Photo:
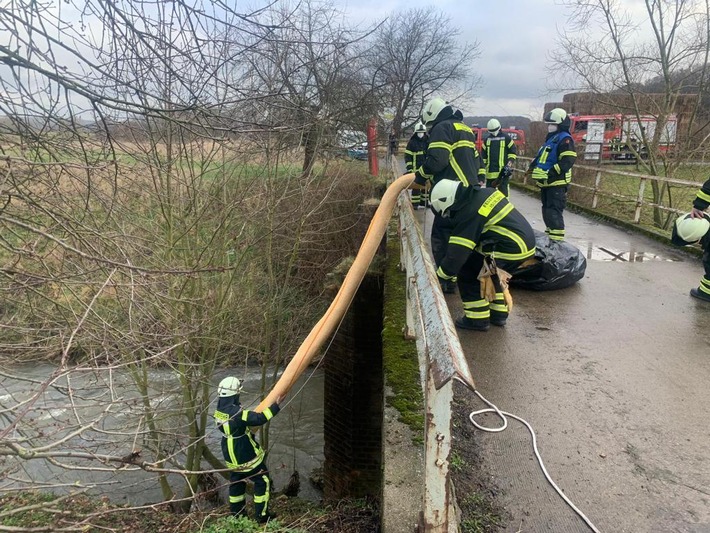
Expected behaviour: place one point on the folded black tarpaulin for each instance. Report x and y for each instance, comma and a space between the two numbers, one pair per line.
559, 264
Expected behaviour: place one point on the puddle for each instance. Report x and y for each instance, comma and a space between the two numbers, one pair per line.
597, 252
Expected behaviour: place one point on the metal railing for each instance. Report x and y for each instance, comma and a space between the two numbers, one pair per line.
638, 199
441, 358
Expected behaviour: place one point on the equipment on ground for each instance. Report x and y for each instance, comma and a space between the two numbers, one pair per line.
443, 194
229, 386
556, 265
688, 230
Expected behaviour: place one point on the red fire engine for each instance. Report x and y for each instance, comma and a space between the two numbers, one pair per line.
517, 135
618, 137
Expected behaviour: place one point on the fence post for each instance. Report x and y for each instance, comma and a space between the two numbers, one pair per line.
597, 182
639, 201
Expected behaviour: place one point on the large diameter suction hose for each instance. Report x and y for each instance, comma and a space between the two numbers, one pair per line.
332, 317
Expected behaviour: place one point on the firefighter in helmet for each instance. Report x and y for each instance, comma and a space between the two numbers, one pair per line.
242, 453
414, 153
498, 153
486, 228
451, 154
695, 227
552, 170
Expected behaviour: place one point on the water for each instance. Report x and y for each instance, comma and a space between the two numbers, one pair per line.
80, 416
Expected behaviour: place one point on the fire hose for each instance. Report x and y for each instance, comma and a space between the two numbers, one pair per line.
340, 304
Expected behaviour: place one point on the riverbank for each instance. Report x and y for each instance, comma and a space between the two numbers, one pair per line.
25, 512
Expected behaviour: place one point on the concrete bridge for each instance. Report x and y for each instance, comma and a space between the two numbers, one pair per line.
612, 374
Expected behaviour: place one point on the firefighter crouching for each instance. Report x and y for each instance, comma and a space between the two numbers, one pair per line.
498, 153
451, 155
413, 155
242, 453
552, 170
700, 204
487, 230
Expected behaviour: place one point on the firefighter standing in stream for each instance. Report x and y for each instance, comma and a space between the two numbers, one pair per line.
488, 230
552, 170
413, 153
498, 153
452, 155
242, 453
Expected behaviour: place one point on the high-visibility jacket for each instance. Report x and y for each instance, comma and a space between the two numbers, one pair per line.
240, 450
485, 221
451, 153
414, 152
497, 151
552, 167
702, 199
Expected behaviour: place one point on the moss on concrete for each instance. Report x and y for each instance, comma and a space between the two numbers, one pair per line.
399, 355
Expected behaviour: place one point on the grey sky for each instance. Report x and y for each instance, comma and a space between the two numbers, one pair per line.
515, 37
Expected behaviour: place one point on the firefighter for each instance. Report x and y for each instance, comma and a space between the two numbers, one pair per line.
552, 170
700, 204
242, 453
486, 228
415, 150
498, 153
451, 154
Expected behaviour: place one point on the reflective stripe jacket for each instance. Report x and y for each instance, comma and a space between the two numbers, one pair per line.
414, 152
484, 220
451, 153
241, 451
496, 152
702, 199
552, 167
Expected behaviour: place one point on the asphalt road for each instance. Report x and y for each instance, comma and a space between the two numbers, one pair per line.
614, 376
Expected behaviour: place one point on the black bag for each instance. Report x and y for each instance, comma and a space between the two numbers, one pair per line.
559, 265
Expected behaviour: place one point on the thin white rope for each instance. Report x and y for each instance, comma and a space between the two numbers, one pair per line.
503, 415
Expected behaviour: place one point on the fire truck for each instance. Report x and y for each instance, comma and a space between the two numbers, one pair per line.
618, 137
517, 135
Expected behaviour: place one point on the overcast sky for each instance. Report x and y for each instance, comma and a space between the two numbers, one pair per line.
515, 37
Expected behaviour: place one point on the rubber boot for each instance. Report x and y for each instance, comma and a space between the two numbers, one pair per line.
473, 324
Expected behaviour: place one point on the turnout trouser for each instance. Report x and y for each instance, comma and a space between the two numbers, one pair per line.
441, 230
500, 183
475, 306
554, 201
705, 280
259, 475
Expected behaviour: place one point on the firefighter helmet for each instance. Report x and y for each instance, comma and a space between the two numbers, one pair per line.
432, 109
556, 116
493, 126
419, 127
229, 386
443, 195
690, 230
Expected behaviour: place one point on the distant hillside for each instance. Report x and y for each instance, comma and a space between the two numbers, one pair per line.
518, 122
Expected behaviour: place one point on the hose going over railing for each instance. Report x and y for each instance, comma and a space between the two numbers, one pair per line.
332, 317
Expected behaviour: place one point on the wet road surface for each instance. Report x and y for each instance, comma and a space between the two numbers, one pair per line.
614, 376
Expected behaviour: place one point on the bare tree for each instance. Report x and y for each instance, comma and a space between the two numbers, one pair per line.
417, 54
149, 225
619, 52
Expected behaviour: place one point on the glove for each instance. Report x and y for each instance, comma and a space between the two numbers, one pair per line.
485, 276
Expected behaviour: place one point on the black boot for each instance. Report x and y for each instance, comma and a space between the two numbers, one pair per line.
700, 295
447, 287
469, 323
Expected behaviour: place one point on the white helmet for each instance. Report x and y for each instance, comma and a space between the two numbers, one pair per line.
691, 229
493, 126
443, 195
432, 109
229, 386
419, 127
556, 116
